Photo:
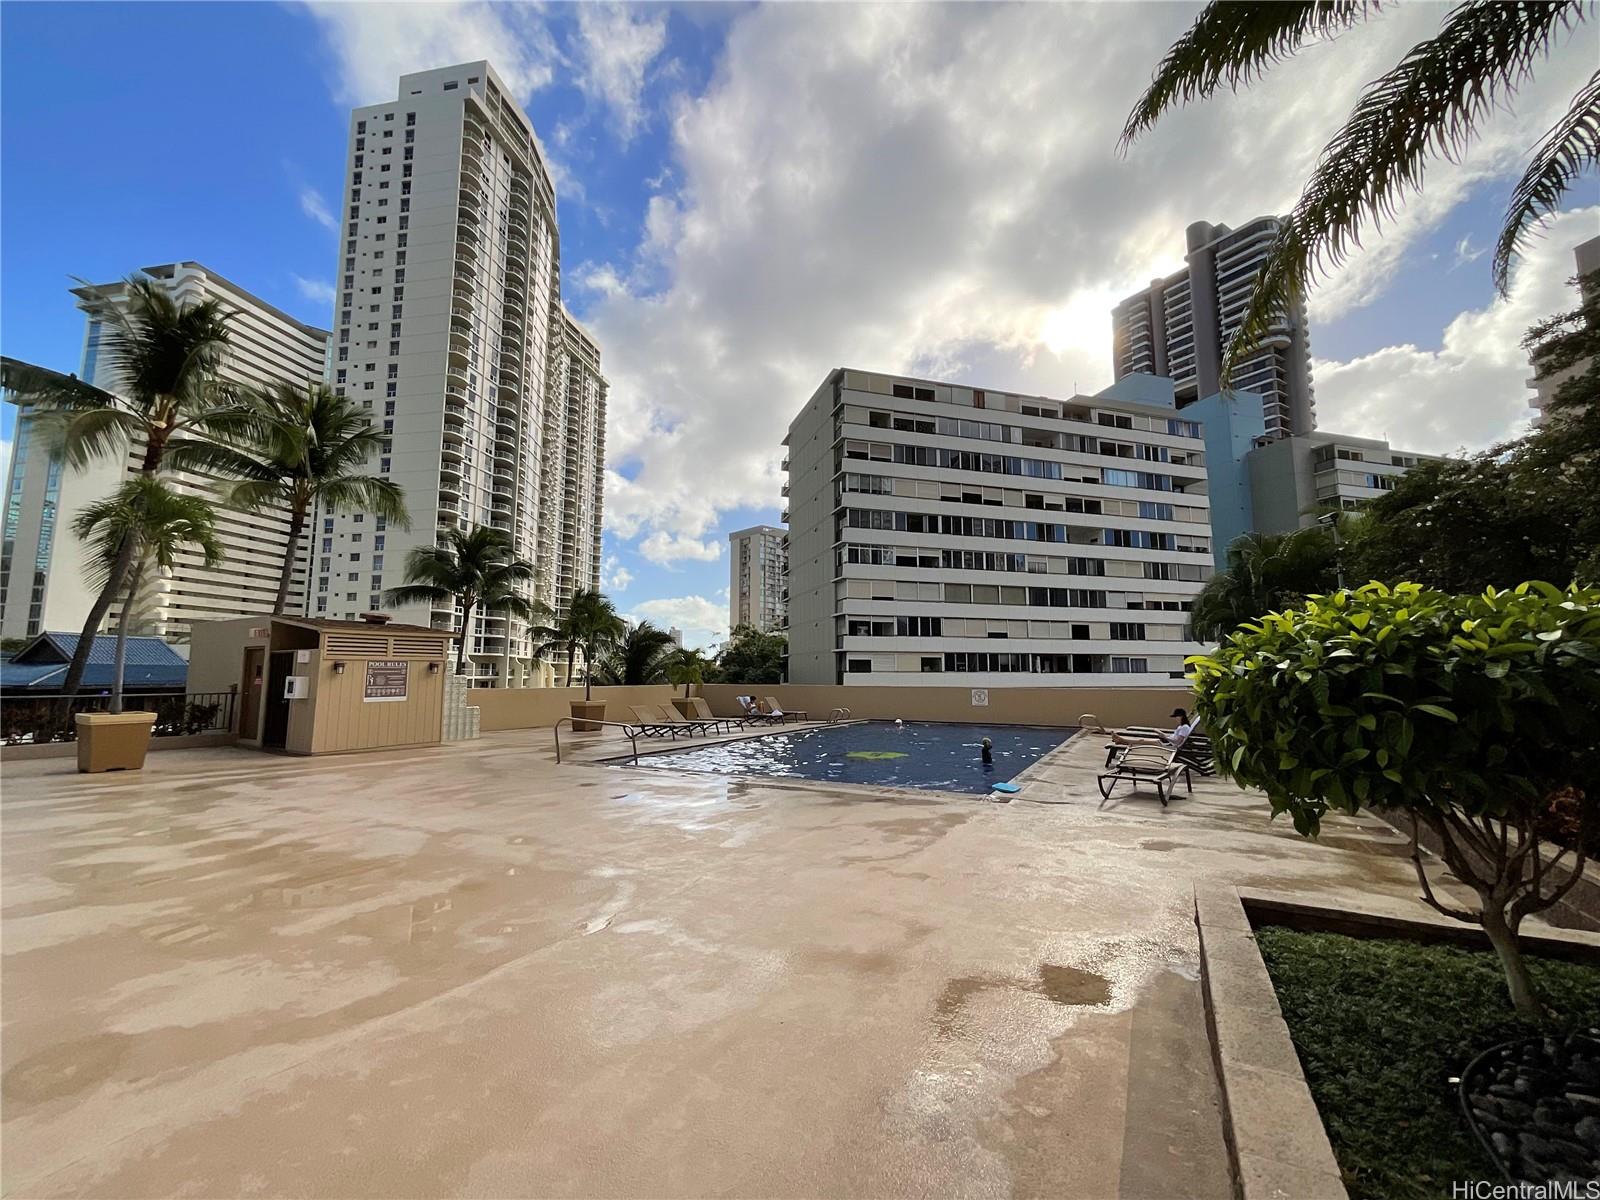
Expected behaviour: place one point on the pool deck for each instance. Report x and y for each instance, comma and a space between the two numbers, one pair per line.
468, 971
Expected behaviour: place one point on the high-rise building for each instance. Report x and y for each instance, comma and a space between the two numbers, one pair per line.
1180, 327
758, 581
451, 330
574, 459
986, 538
1588, 257
43, 586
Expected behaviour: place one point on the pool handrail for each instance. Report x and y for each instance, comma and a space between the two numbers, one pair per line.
838, 714
631, 731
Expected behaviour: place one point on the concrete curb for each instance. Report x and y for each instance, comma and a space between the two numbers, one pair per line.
1276, 1140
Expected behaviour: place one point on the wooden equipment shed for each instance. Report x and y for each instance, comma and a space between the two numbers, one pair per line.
307, 685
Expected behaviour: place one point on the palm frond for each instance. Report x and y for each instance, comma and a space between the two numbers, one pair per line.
83, 436
1430, 104
252, 495
1569, 149
210, 458
39, 386
415, 593
369, 493
1233, 44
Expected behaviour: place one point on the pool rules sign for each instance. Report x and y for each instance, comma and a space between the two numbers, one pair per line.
386, 680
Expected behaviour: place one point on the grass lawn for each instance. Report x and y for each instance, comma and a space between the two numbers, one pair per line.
1381, 1026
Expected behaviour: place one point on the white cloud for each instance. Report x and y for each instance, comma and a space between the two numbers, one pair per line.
702, 621
664, 547
1472, 391
1466, 252
315, 207
613, 576
319, 290
616, 44
930, 188
374, 44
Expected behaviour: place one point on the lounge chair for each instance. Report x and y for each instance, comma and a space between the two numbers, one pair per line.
649, 720
752, 712
1145, 764
782, 713
1196, 751
702, 710
689, 725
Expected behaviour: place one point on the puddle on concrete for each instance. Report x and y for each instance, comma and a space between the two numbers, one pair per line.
66, 1068
1070, 986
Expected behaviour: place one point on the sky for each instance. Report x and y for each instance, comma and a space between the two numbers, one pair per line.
752, 195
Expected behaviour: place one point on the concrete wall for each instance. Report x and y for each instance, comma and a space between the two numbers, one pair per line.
1007, 706
540, 708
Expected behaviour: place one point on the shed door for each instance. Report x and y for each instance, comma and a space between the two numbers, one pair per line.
252, 688
275, 729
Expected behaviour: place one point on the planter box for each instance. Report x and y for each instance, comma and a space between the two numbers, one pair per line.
587, 714
113, 741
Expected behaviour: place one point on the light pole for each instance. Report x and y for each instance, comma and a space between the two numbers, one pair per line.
1331, 520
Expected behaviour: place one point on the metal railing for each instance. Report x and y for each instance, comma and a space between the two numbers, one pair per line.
838, 714
631, 731
28, 719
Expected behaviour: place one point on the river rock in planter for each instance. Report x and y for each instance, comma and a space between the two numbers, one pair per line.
1534, 1105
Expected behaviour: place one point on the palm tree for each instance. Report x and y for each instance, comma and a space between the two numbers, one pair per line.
478, 570
1266, 572
309, 449
687, 665
639, 657
163, 359
589, 626
157, 522
1428, 105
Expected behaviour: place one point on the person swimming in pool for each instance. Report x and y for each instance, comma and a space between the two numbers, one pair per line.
988, 752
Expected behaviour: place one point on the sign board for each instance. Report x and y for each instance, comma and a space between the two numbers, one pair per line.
302, 656
980, 697
386, 679
296, 687
260, 631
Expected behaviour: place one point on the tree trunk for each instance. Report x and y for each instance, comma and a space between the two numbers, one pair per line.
588, 671
91, 626
1520, 983
119, 666
461, 643
297, 525
154, 447
572, 654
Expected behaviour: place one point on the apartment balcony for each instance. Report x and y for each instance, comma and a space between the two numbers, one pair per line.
785, 515
784, 490
784, 465
470, 199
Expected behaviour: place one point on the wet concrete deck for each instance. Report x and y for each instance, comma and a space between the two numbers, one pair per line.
468, 971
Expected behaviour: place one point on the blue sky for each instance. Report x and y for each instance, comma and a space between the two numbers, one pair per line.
751, 195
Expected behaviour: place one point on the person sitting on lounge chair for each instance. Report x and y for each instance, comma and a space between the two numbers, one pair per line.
1173, 740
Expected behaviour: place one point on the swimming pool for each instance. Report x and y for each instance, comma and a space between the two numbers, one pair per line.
918, 755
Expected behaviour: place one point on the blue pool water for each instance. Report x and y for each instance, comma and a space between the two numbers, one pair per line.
919, 755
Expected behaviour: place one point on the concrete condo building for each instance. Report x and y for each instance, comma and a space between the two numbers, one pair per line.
1180, 327
42, 580
758, 581
1588, 258
451, 329
993, 539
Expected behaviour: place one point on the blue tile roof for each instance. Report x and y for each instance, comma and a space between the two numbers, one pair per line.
41, 666
143, 651
47, 677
